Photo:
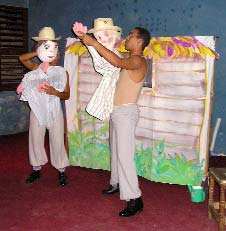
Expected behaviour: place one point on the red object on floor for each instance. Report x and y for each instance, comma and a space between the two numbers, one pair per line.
80, 206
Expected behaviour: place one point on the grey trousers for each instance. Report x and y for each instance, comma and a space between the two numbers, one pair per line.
37, 153
123, 122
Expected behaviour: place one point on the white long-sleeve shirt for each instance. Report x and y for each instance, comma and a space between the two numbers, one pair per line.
101, 103
45, 107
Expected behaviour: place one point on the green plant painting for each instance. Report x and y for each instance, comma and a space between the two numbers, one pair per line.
91, 149
154, 164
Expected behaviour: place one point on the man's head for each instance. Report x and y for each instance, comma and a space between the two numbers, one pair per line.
105, 32
138, 37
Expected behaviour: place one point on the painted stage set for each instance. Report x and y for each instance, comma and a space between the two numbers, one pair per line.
172, 136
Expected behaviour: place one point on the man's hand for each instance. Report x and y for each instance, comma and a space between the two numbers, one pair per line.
42, 86
88, 40
49, 90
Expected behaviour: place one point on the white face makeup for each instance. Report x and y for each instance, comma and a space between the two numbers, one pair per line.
107, 38
47, 51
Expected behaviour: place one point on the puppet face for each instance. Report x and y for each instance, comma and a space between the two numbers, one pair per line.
107, 38
47, 51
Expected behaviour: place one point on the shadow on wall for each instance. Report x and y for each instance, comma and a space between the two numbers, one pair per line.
14, 114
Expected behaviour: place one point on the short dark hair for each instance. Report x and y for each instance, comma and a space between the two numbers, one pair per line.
40, 42
144, 35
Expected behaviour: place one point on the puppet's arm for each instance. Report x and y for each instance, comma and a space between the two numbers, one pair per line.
97, 59
100, 64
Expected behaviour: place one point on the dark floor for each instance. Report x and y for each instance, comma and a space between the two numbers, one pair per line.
45, 206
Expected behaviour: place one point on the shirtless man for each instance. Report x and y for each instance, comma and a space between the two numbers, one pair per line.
125, 116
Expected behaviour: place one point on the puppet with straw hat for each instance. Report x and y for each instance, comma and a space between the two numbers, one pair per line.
46, 33
43, 88
103, 30
104, 24
106, 33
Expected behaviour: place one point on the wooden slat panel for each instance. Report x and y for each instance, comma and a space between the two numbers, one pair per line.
188, 92
171, 137
174, 112
86, 87
11, 33
180, 65
13, 42
148, 100
17, 51
177, 78
84, 97
89, 77
169, 115
170, 127
86, 61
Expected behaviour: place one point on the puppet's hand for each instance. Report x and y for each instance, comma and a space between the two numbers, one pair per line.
20, 89
80, 31
79, 27
217, 55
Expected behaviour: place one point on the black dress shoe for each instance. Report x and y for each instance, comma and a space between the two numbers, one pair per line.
62, 178
35, 175
111, 190
133, 206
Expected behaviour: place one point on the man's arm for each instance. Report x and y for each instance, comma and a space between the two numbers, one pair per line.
25, 59
131, 63
62, 95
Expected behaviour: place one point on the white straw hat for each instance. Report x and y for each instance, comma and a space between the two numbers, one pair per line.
46, 33
104, 24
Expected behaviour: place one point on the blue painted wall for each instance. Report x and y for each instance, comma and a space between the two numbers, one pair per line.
161, 17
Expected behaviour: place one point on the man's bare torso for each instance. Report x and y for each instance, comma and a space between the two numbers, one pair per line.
127, 89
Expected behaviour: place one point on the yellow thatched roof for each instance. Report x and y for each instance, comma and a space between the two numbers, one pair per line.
160, 47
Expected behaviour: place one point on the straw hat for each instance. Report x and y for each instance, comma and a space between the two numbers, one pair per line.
104, 24
46, 33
